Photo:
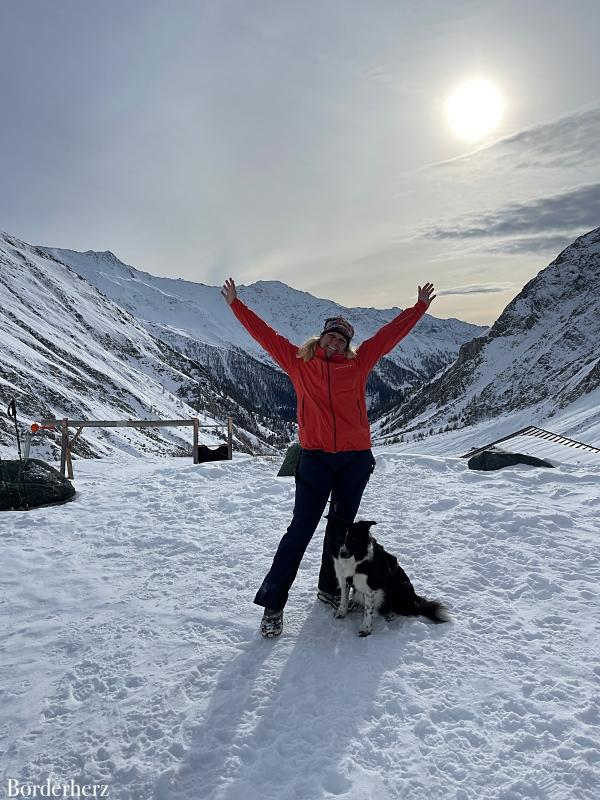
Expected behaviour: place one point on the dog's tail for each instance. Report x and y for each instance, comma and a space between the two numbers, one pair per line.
432, 609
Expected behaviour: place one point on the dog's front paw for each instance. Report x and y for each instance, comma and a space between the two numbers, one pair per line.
364, 632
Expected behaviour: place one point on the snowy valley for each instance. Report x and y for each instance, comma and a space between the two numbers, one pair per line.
88, 336
85, 336
193, 318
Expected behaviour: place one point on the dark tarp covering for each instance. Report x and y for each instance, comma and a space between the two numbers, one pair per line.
497, 459
31, 483
220, 453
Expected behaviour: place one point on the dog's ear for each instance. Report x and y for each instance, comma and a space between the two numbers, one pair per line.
365, 525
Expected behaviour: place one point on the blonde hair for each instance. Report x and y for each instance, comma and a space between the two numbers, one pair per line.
307, 350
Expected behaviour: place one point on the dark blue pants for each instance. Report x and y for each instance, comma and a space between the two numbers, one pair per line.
319, 474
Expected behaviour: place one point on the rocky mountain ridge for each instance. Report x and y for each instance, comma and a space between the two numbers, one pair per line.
541, 354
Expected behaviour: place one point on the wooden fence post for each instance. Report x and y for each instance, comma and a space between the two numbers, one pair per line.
69, 459
196, 437
64, 444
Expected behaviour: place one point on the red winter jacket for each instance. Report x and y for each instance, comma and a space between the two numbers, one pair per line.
332, 411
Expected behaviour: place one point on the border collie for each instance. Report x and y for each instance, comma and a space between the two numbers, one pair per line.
380, 583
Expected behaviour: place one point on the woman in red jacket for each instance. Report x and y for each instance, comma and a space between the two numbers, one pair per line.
329, 378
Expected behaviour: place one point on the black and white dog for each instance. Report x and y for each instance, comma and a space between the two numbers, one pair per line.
380, 583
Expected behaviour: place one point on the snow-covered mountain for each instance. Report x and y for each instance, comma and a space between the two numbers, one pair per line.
194, 319
541, 356
66, 350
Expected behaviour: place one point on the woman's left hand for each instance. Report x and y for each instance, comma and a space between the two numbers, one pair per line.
426, 293
229, 291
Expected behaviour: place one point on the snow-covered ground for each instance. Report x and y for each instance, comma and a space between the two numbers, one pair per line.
131, 657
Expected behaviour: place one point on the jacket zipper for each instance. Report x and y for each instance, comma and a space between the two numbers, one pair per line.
331, 406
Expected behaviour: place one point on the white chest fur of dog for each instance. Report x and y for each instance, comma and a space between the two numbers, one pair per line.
370, 600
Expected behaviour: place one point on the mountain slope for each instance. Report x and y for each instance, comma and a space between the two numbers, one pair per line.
67, 350
540, 356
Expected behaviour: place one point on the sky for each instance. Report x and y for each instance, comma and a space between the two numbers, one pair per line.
304, 141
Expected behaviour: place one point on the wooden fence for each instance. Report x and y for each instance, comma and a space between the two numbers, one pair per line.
66, 464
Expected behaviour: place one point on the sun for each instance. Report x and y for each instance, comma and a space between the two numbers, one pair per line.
474, 109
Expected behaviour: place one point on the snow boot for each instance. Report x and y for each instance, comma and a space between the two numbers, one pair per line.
271, 625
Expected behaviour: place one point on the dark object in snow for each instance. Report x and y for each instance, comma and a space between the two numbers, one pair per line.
290, 462
496, 459
32, 483
220, 453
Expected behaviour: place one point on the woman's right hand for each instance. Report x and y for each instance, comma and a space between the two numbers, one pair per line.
228, 291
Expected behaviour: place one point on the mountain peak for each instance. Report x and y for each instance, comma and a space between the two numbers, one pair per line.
103, 255
571, 279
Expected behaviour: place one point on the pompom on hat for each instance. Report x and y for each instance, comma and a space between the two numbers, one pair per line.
338, 325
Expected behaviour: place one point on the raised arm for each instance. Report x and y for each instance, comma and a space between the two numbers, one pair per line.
278, 347
386, 338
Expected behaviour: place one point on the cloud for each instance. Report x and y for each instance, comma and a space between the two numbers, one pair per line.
566, 142
570, 141
550, 156
532, 245
476, 288
575, 210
